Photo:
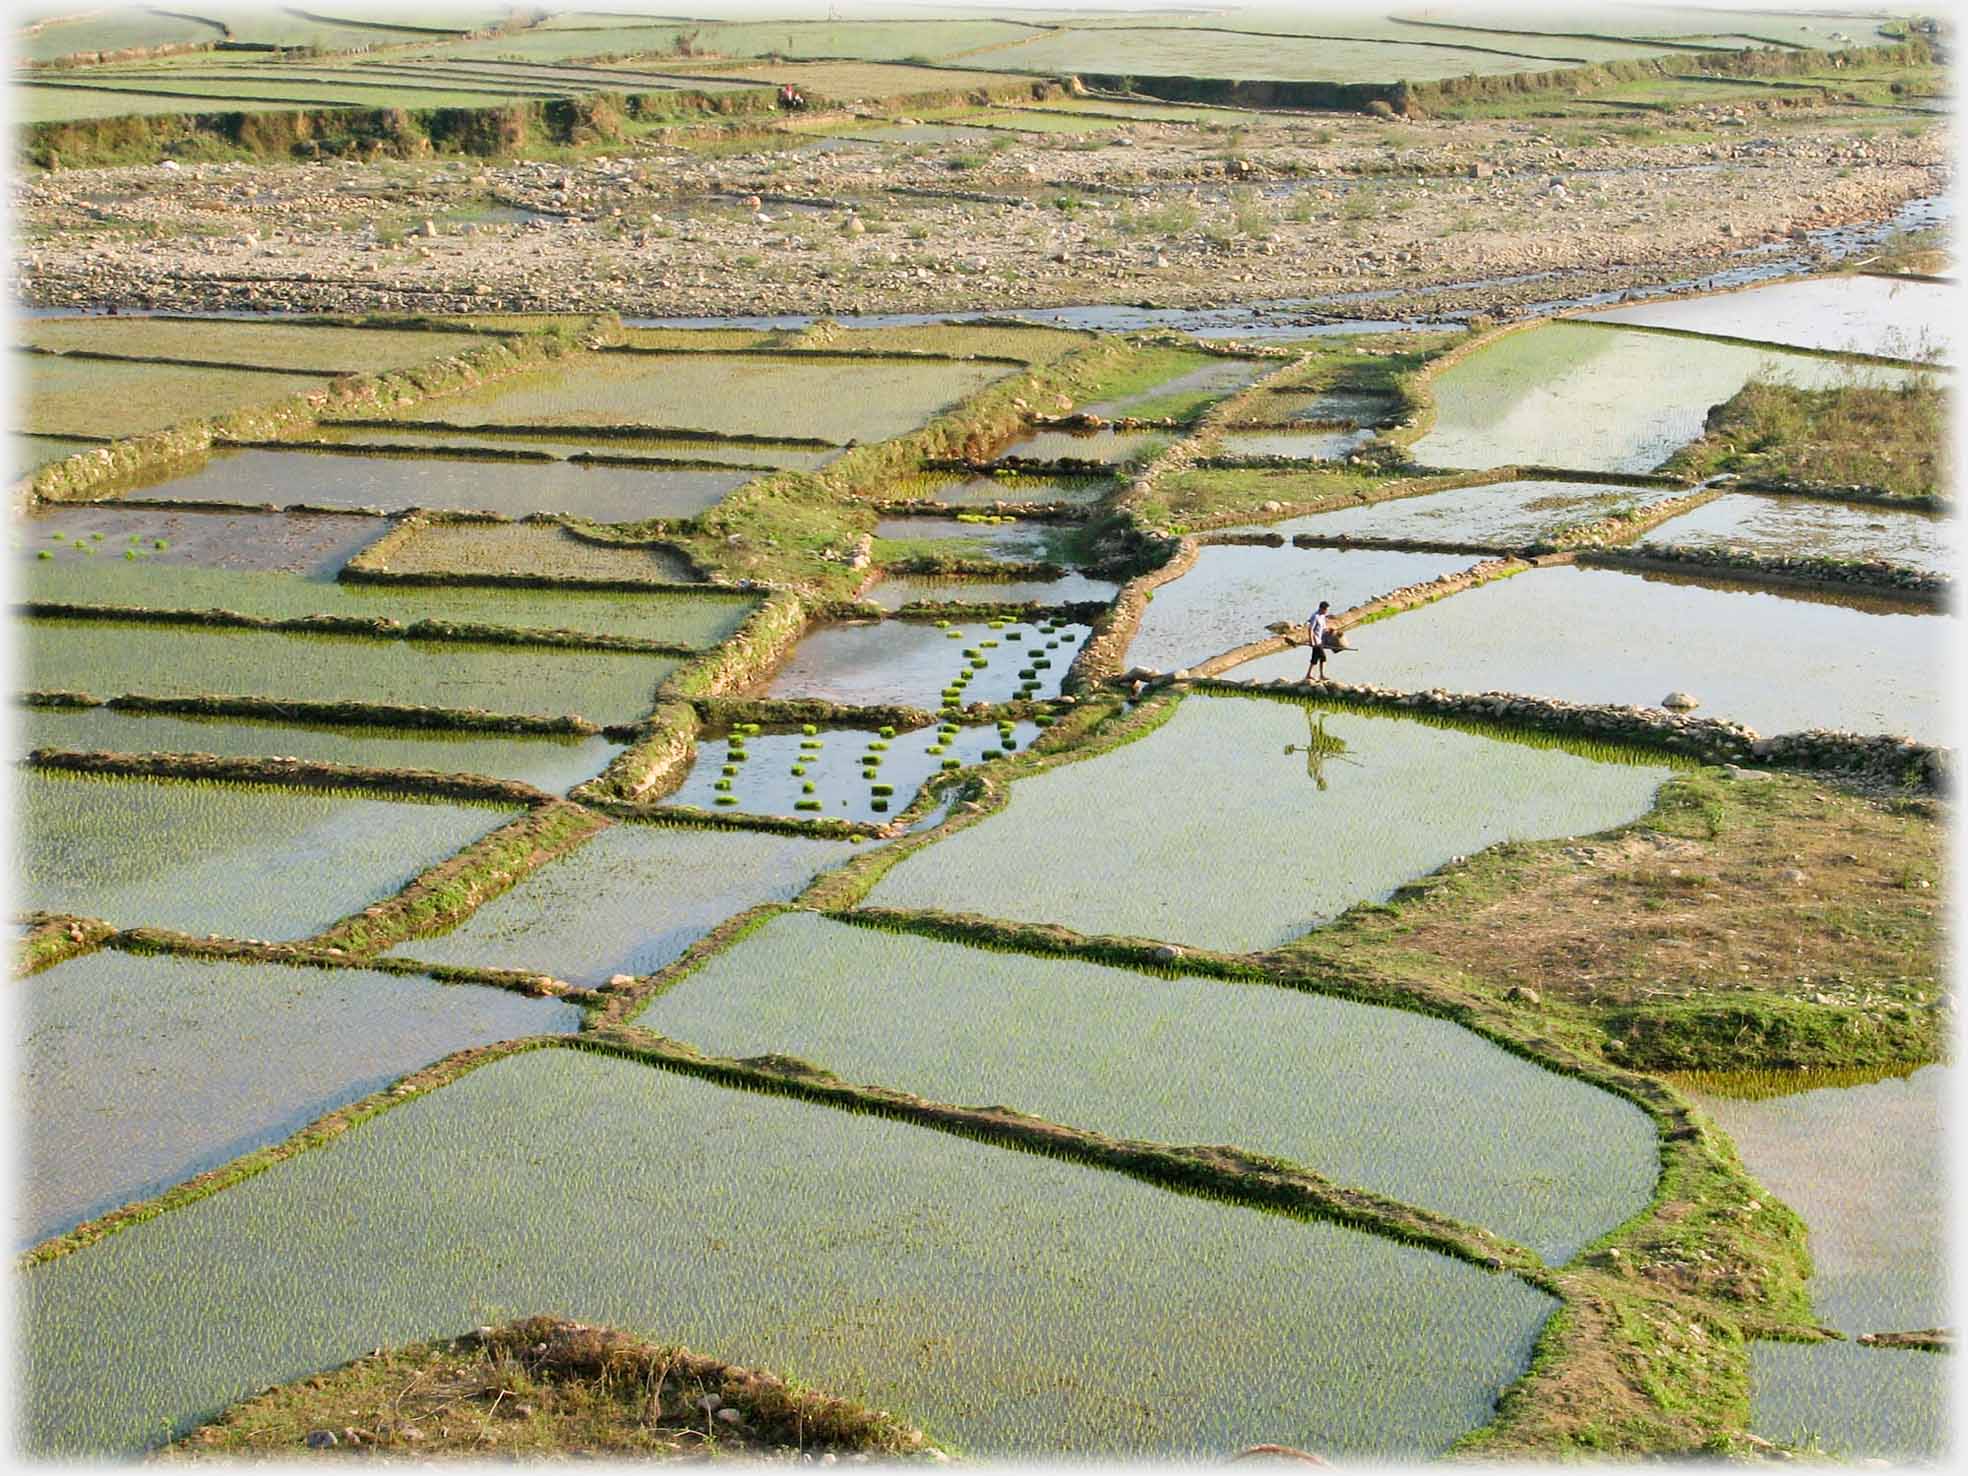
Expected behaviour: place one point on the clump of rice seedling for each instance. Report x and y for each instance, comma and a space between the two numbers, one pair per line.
729, 770
806, 804
877, 746
44, 554
992, 753
798, 769
951, 763
888, 732
726, 799
809, 729
162, 544
807, 787
1014, 635
722, 784
880, 804
881, 791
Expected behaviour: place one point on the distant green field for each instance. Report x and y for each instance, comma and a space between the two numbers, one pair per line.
96, 397
327, 349
110, 30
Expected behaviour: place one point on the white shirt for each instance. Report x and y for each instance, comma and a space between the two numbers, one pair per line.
1320, 620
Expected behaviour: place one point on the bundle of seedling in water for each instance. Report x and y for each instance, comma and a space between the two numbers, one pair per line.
978, 658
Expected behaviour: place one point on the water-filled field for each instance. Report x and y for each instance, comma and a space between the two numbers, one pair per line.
1894, 317
1200, 379
1809, 527
196, 856
539, 550
571, 442
1110, 446
285, 543
915, 662
1779, 662
1234, 591
1282, 406
108, 658
835, 399
1600, 399
1011, 1304
1301, 445
604, 494
908, 589
846, 773
1502, 514
331, 350
550, 762
1014, 542
1867, 1168
629, 901
136, 1072
102, 397
1269, 819
1411, 1107
687, 619
982, 491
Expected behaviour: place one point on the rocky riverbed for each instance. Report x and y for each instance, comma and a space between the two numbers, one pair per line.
1307, 207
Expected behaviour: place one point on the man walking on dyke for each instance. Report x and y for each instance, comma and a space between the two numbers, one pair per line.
1321, 633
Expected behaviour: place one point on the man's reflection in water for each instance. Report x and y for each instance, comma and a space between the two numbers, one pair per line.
1318, 747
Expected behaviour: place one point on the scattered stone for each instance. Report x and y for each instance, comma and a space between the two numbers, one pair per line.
1521, 994
321, 1439
1167, 954
1681, 701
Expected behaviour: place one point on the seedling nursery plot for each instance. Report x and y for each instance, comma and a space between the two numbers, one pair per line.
928, 664
546, 761
629, 901
736, 394
1251, 794
601, 493
196, 857
1410, 1107
329, 350
1601, 635
108, 658
137, 1072
751, 455
536, 550
109, 397
155, 538
1015, 1303
843, 773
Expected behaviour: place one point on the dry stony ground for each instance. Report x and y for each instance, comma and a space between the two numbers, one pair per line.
1176, 214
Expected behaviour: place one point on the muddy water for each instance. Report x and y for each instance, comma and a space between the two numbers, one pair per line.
1231, 593
137, 1072
1505, 514
1031, 543
605, 494
628, 901
1112, 446
569, 442
909, 661
893, 594
773, 775
1867, 1168
1411, 1107
301, 543
1858, 314
1805, 526
1306, 445
1242, 823
1779, 662
1600, 399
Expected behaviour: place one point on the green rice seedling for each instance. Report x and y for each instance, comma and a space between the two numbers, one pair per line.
214, 1059
1396, 801
997, 625
887, 732
971, 651
43, 554
722, 784
992, 753
628, 901
951, 763
979, 663
726, 799
1043, 720
955, 635
1853, 1402
196, 856
1014, 635
1481, 1134
550, 762
810, 745
729, 770
58, 537
807, 804
807, 787
882, 791
992, 1262
808, 729
1027, 673
162, 544
95, 538
871, 761
987, 645
797, 770
879, 806
877, 746
110, 657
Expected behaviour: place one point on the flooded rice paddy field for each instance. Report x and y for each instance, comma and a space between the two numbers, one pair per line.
1777, 661
916, 663
845, 773
916, 589
602, 494
1808, 527
139, 580
1408, 1106
196, 856
628, 901
734, 394
1234, 591
146, 1070
570, 442
1014, 1304
1298, 815
108, 658
555, 764
1867, 1168
1500, 514
262, 542
1594, 398
1891, 317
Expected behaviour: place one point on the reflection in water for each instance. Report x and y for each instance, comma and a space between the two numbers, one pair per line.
1319, 746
